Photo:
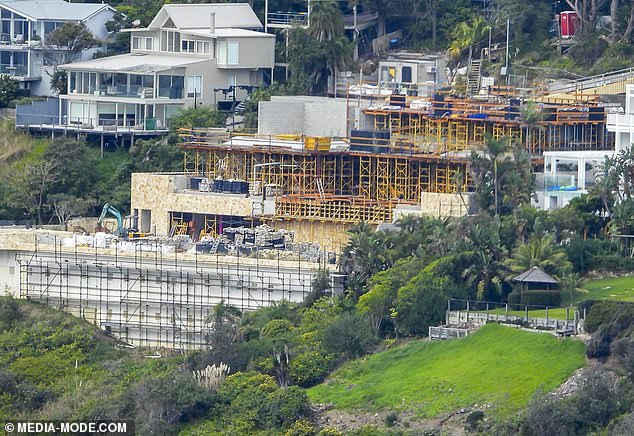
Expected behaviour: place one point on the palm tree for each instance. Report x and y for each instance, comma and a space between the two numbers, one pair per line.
485, 163
484, 274
326, 21
570, 284
466, 35
531, 117
327, 27
539, 252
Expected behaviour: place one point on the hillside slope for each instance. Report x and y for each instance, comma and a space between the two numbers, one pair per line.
497, 366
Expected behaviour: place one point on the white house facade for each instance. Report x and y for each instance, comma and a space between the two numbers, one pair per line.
190, 54
26, 25
622, 124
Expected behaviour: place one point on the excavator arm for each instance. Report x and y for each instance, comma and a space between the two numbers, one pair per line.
107, 209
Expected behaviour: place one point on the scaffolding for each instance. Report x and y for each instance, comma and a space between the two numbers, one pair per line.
309, 184
154, 299
454, 125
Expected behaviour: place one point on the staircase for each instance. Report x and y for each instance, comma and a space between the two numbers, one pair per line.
473, 78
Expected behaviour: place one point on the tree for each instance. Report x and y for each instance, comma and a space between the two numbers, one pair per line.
326, 21
467, 35
9, 89
539, 252
363, 256
320, 286
65, 44
223, 336
485, 164
32, 183
501, 160
65, 206
280, 333
423, 300
377, 304
70, 40
201, 116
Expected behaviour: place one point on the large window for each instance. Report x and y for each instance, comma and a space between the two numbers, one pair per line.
406, 74
194, 86
228, 52
149, 43
170, 41
171, 86
136, 42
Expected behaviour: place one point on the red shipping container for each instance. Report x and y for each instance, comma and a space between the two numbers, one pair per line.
568, 24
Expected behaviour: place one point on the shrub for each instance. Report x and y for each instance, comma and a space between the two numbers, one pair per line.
310, 367
391, 419
300, 428
550, 416
9, 313
541, 298
287, 406
514, 299
473, 418
599, 345
612, 263
349, 334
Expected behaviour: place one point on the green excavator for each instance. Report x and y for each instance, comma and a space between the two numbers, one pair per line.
126, 227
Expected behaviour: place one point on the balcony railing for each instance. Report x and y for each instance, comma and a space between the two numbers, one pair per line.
133, 91
559, 182
622, 120
103, 124
14, 70
288, 19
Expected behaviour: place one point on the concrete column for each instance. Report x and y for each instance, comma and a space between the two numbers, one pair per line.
581, 173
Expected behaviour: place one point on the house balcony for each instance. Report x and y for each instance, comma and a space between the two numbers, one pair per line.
127, 93
285, 20
554, 191
18, 72
102, 125
17, 43
621, 123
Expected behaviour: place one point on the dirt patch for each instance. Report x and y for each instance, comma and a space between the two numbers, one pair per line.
345, 421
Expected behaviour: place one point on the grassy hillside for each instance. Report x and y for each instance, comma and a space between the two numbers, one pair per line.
614, 289
497, 365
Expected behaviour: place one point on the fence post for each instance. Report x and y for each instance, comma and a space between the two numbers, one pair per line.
526, 312
467, 320
506, 314
487, 312
448, 310
546, 316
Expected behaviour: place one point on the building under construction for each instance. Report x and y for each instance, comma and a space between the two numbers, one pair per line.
399, 155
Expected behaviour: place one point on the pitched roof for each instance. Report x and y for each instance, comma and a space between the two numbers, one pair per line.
535, 275
54, 10
198, 16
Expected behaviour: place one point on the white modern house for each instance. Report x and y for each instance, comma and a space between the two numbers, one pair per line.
567, 174
190, 54
26, 24
622, 123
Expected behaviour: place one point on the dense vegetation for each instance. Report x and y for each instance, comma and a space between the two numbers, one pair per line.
399, 280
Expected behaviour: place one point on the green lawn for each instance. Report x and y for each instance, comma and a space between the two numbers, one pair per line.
498, 365
617, 289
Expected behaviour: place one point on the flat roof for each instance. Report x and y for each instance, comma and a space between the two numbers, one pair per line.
228, 33
54, 10
588, 154
135, 63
